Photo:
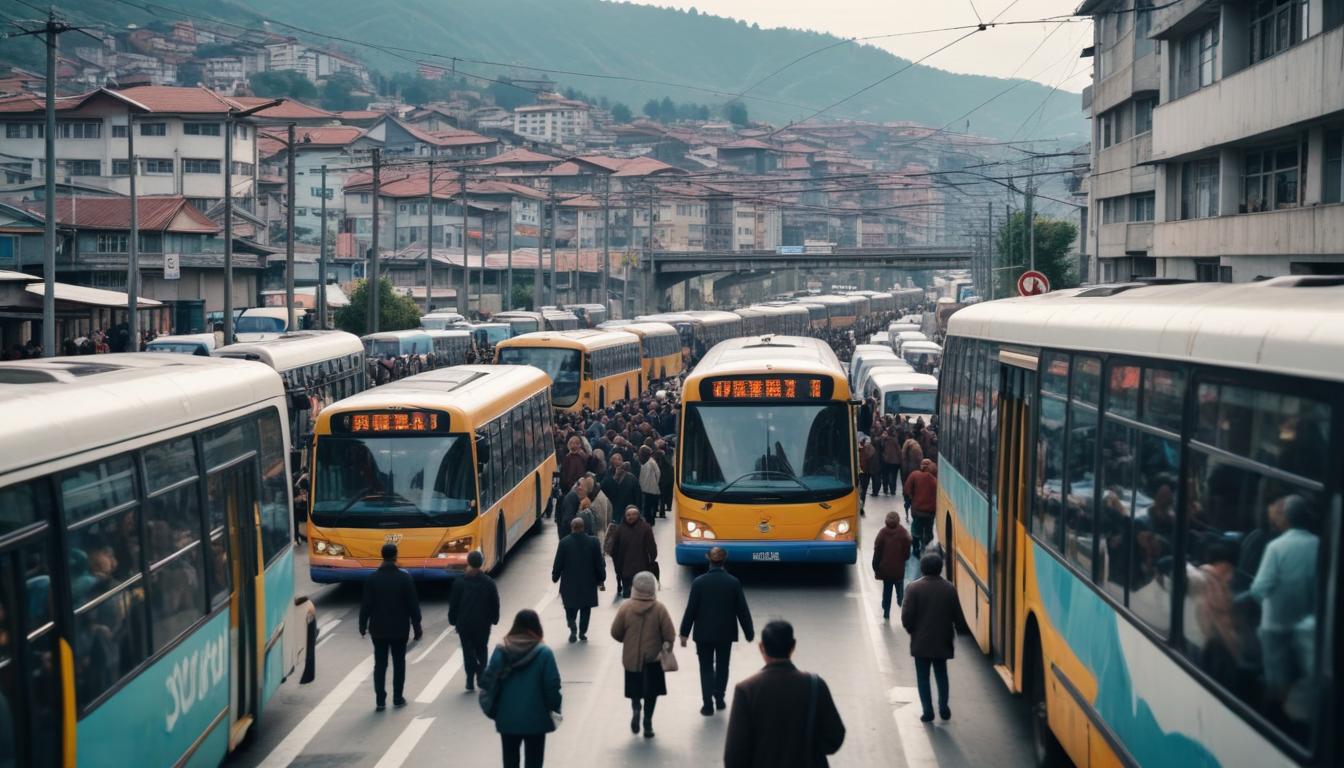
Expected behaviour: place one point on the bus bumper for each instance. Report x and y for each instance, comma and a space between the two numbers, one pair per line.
325, 574
846, 552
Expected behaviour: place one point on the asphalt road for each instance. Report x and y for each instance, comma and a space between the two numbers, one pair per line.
836, 613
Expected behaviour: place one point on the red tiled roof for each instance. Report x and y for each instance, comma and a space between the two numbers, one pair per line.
173, 99
415, 183
287, 110
360, 114
621, 167
519, 156
271, 141
746, 144
168, 213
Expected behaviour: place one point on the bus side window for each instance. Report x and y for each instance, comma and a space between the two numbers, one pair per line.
497, 449
174, 524
529, 432
276, 515
506, 448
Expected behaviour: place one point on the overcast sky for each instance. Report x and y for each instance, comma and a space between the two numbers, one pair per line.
1000, 51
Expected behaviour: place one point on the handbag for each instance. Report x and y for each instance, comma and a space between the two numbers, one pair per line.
668, 659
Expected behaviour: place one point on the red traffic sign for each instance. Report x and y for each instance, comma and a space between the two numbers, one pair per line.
1032, 283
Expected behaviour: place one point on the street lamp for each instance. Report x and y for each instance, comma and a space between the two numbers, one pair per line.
229, 118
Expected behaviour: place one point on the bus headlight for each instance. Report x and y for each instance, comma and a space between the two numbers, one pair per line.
458, 546
839, 530
694, 529
328, 548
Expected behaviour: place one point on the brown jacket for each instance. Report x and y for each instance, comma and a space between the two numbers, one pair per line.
767, 727
929, 614
572, 467
911, 455
868, 463
632, 548
642, 626
891, 550
922, 489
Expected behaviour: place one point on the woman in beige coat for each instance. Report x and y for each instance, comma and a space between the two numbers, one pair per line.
644, 628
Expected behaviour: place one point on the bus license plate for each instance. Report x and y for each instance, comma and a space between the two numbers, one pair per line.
771, 557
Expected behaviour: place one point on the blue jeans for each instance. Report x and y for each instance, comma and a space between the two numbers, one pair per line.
887, 586
939, 666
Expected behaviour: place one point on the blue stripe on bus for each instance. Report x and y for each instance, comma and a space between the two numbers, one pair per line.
969, 504
1091, 629
772, 551
323, 574
160, 713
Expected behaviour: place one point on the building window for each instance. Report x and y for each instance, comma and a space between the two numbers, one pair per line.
79, 129
121, 167
200, 165
119, 131
1198, 60
1270, 179
1143, 23
111, 243
202, 204
1112, 128
1199, 189
25, 131
1143, 116
152, 166
83, 167
153, 129
1276, 26
1334, 167
239, 131
242, 169
1112, 210
201, 129
1142, 207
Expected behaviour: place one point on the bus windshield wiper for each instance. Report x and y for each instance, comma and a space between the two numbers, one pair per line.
754, 473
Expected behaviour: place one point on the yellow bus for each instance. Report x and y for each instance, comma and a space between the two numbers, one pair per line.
588, 369
1140, 494
660, 349
481, 432
766, 455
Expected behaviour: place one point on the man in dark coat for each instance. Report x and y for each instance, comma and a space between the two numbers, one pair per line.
389, 611
473, 608
620, 485
569, 509
930, 616
580, 568
665, 476
573, 464
716, 606
891, 550
632, 548
768, 726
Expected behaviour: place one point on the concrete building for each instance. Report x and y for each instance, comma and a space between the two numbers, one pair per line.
317, 146
556, 121
1218, 138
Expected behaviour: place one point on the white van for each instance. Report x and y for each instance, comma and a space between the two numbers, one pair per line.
261, 323
201, 344
898, 328
922, 355
876, 365
440, 321
859, 362
905, 337
903, 394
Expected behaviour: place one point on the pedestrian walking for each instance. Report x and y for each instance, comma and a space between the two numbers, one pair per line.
891, 551
574, 463
644, 628
868, 470
715, 608
620, 485
911, 456
921, 489
891, 461
569, 508
525, 688
601, 511
633, 549
782, 717
473, 608
581, 570
388, 613
665, 477
930, 616
648, 484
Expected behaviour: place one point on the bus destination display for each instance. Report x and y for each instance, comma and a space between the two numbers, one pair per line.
392, 422
767, 388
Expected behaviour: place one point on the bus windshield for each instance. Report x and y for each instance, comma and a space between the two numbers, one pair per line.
562, 365
384, 348
259, 324
921, 401
394, 482
492, 335
767, 452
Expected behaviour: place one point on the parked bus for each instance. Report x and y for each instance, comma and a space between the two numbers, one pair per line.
588, 369
486, 335
786, 319
443, 463
766, 455
317, 367
521, 321
902, 393
146, 570
201, 344
841, 313
562, 321
818, 314
449, 348
261, 323
716, 326
1140, 493
660, 349
687, 327
440, 321
753, 321
592, 315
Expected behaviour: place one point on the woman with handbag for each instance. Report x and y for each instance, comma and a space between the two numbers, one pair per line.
644, 628
520, 690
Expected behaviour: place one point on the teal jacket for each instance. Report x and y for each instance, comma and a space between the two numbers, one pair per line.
529, 694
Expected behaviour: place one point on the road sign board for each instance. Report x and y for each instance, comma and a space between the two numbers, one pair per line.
172, 266
1032, 283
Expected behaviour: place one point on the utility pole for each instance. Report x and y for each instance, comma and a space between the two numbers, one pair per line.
132, 246
372, 283
480, 273
291, 320
626, 293
606, 240
228, 227
429, 244
506, 301
52, 29
322, 259
538, 274
648, 248
555, 292
464, 298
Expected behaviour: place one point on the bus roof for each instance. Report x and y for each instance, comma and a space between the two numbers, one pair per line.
884, 377
296, 348
581, 339
64, 405
449, 334
713, 316
650, 328
1286, 325
409, 333
769, 354
475, 389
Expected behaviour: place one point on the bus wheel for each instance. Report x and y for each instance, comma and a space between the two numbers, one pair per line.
500, 544
1048, 751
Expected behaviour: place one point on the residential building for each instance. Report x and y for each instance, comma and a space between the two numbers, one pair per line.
1246, 147
316, 146
398, 139
554, 120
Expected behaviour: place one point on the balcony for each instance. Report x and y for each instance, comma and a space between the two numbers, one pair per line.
1298, 85
1126, 238
1312, 231
1087, 98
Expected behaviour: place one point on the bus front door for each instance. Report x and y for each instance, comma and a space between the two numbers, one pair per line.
32, 659
233, 494
1016, 387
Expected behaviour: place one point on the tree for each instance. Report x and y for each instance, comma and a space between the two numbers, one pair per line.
1053, 239
283, 84
667, 110
189, 73
651, 109
735, 112
338, 92
506, 95
621, 113
522, 293
395, 311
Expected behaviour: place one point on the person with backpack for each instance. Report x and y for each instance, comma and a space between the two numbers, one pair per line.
580, 569
520, 691
473, 608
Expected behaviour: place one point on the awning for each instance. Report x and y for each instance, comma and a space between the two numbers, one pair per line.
10, 276
91, 297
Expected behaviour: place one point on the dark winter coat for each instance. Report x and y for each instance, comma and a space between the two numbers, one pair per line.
891, 550
579, 567
473, 604
390, 607
716, 606
621, 494
572, 467
530, 693
930, 616
632, 549
767, 726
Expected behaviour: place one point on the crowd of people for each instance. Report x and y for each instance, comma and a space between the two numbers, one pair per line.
96, 342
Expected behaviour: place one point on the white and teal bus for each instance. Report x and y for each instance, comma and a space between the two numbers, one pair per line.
147, 608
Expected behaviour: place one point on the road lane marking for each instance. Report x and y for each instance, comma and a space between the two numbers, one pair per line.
294, 743
868, 620
440, 679
546, 600
401, 749
420, 656
325, 629
914, 732
322, 642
